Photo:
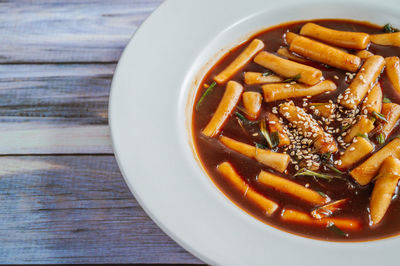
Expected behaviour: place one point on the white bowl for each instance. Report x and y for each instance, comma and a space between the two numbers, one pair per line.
150, 117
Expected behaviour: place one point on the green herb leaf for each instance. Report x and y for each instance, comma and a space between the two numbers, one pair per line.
260, 146
244, 119
326, 156
331, 226
365, 136
268, 73
333, 168
379, 116
345, 128
386, 100
307, 172
265, 133
373, 119
388, 28
295, 78
209, 89
380, 138
322, 194
275, 138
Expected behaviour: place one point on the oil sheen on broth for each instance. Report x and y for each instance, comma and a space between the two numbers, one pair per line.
212, 153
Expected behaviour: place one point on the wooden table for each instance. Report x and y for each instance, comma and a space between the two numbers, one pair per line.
62, 197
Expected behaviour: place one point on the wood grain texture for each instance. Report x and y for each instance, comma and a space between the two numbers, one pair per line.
69, 209
57, 60
69, 31
53, 108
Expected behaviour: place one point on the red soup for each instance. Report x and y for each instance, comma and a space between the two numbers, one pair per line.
298, 127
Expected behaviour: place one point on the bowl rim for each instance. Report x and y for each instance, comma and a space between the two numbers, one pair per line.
152, 23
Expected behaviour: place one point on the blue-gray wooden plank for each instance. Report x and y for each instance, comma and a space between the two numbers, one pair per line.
75, 209
53, 108
70, 30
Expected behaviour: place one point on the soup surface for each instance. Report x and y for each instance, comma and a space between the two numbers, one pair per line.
316, 168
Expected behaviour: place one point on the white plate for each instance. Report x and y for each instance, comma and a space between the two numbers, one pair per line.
149, 120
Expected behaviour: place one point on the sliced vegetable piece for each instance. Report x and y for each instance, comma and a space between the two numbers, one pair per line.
286, 186
227, 104
384, 188
251, 50
267, 205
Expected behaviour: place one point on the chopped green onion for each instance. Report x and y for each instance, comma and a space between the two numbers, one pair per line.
386, 100
331, 226
333, 168
242, 110
388, 28
373, 119
264, 132
326, 156
295, 78
268, 73
260, 146
244, 119
307, 172
346, 128
322, 194
365, 136
275, 138
380, 138
209, 89
379, 116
